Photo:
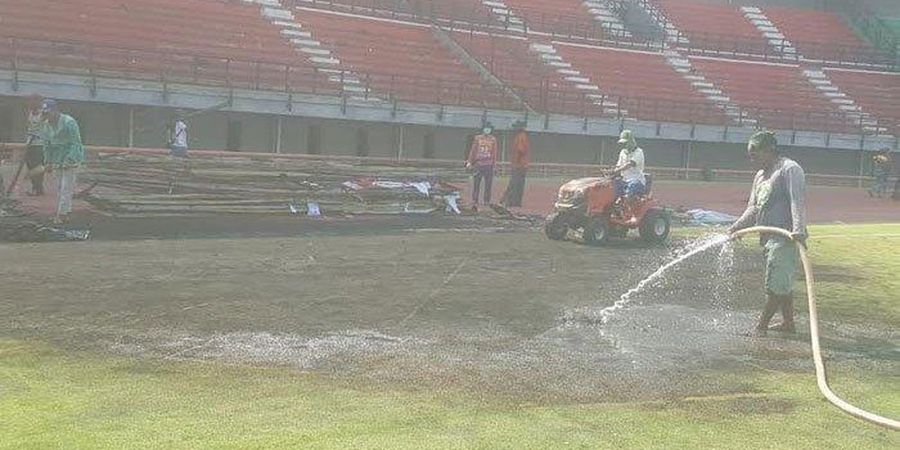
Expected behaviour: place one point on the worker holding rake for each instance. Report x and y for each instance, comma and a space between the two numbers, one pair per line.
64, 155
777, 199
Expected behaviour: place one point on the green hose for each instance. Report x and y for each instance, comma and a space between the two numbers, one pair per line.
821, 378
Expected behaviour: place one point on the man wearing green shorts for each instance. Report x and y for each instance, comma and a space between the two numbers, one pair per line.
777, 199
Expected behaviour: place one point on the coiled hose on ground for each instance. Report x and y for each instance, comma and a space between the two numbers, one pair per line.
821, 378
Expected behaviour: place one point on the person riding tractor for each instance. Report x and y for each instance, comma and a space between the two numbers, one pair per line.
629, 179
610, 205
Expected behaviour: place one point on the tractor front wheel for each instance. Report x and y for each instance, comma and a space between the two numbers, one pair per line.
655, 227
555, 227
597, 231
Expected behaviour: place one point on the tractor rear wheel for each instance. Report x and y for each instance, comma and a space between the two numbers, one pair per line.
655, 227
555, 227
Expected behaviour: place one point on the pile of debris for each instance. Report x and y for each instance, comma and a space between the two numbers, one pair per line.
16, 226
130, 184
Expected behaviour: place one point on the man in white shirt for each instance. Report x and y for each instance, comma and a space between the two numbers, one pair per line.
630, 168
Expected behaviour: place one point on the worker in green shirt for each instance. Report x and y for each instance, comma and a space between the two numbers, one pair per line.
63, 154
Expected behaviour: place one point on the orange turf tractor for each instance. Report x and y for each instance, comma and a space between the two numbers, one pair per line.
590, 206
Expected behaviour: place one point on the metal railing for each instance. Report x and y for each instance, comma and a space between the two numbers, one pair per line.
583, 28
544, 96
15, 151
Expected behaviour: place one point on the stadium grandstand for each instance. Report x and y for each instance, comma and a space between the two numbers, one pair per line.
693, 78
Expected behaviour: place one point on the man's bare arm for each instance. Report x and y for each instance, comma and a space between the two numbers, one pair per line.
748, 218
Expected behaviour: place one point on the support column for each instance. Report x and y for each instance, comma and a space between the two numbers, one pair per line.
131, 127
504, 147
862, 162
279, 124
400, 141
602, 149
687, 159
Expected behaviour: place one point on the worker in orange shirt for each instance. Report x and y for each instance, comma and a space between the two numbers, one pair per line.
521, 145
482, 157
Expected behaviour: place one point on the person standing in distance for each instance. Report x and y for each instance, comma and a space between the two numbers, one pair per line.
482, 157
521, 146
34, 146
178, 143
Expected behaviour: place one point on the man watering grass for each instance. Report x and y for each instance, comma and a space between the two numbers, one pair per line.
777, 199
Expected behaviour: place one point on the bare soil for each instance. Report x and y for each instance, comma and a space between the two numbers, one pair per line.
419, 303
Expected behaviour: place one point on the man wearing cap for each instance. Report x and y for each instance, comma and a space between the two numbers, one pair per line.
63, 153
481, 159
777, 199
631, 181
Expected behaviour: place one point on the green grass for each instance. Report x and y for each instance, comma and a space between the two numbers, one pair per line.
52, 399
856, 269
859, 267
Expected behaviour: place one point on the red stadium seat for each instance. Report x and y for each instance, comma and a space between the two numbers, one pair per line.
715, 26
876, 93
820, 35
778, 95
509, 59
644, 83
403, 59
564, 17
184, 40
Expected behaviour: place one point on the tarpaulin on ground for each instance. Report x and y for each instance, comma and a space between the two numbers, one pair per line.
707, 217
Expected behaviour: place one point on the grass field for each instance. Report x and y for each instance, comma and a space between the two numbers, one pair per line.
56, 397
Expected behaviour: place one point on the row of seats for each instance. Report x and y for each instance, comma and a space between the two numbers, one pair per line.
711, 27
561, 17
715, 26
876, 93
818, 35
644, 84
470, 11
214, 44
510, 60
777, 95
180, 39
406, 60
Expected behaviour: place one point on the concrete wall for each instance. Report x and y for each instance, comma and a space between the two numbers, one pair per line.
105, 124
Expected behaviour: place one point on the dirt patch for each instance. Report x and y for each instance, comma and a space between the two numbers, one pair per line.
392, 307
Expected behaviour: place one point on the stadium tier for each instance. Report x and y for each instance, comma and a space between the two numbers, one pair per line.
877, 93
819, 35
712, 26
553, 16
643, 84
314, 50
778, 95
199, 41
512, 60
405, 60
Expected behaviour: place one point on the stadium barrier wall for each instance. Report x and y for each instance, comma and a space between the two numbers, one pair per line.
13, 152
